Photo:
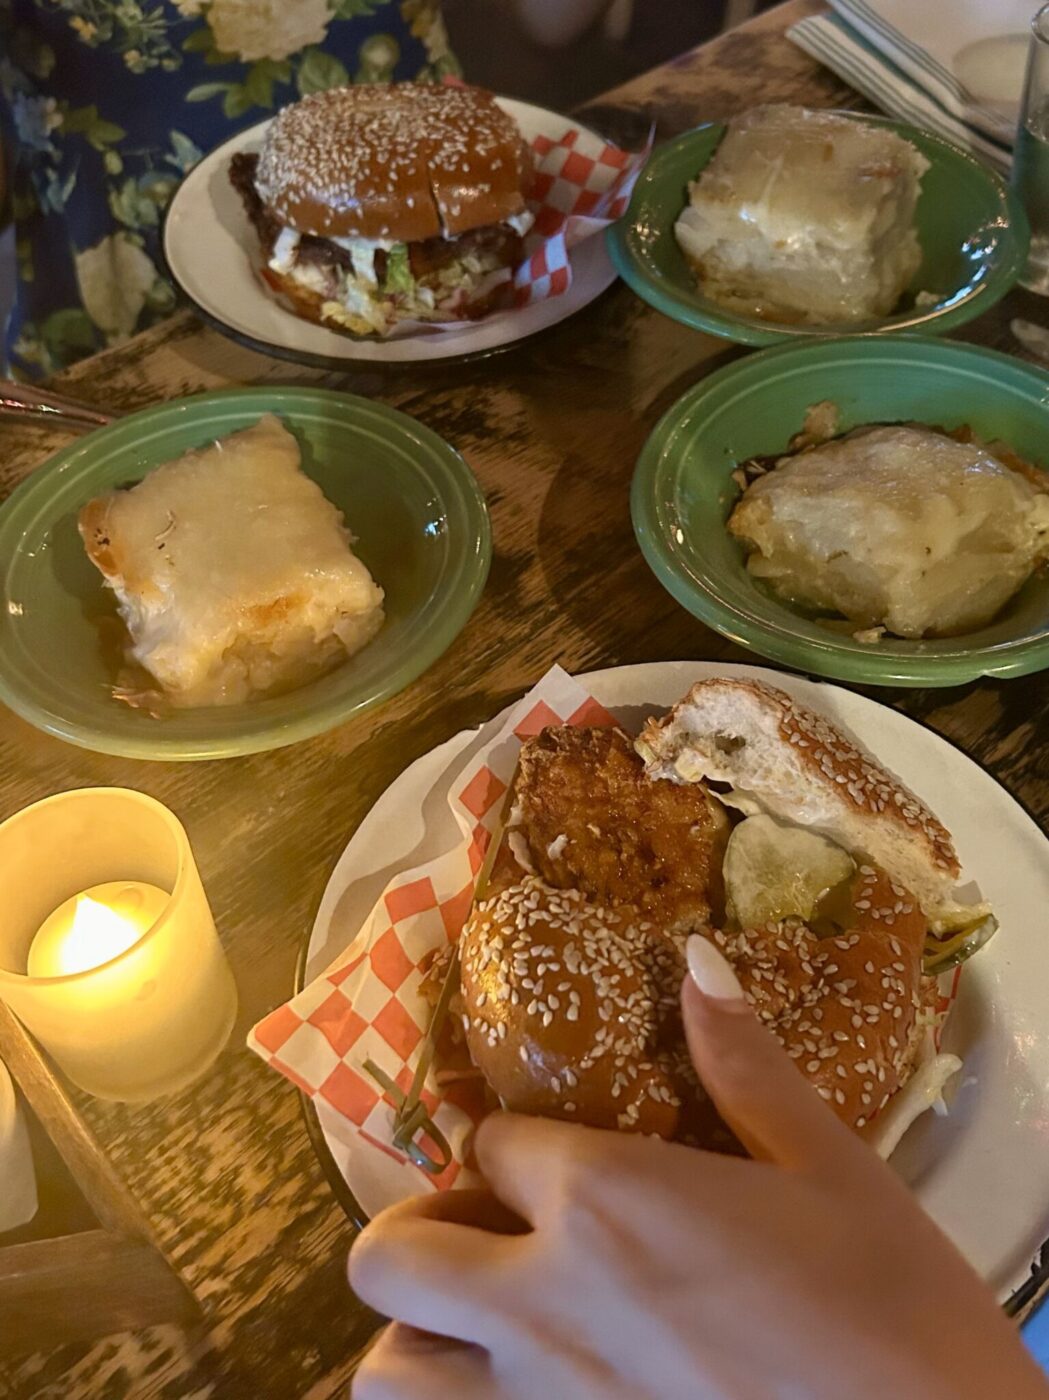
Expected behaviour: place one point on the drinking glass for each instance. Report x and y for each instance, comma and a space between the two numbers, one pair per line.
1031, 156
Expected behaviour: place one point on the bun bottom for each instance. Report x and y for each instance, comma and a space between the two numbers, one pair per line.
301, 301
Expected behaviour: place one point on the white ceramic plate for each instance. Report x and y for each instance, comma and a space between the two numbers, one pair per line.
981, 1171
212, 252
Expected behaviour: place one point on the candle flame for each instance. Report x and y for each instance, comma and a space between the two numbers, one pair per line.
96, 934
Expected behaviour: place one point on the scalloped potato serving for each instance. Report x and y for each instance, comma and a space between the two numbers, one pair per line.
233, 573
805, 217
900, 528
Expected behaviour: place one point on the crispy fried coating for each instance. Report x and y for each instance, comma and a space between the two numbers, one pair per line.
595, 823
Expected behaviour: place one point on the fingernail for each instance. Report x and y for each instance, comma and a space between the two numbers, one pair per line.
711, 971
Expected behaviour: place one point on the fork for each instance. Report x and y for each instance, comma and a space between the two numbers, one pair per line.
27, 403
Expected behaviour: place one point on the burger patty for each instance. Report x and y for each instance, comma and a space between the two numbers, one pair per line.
425, 257
497, 241
311, 249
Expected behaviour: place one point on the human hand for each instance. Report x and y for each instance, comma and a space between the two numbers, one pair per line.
653, 1271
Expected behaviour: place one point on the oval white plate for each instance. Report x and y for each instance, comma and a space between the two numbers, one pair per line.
212, 251
980, 1172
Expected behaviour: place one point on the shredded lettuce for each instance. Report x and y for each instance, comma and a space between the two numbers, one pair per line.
398, 270
364, 308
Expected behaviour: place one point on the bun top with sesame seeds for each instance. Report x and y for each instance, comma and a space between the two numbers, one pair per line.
847, 1007
781, 758
571, 1009
397, 161
570, 999
571, 964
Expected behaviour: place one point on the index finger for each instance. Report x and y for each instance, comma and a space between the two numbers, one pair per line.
437, 1276
532, 1164
522, 1158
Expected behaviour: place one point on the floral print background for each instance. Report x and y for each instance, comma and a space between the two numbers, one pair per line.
105, 104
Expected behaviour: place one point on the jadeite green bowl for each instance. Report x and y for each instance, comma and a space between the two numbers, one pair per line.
411, 501
971, 226
683, 493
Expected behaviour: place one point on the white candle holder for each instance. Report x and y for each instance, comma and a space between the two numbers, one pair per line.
151, 1019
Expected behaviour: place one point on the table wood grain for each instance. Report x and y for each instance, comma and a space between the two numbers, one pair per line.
224, 1172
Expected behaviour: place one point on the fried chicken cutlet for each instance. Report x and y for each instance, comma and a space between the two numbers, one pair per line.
593, 822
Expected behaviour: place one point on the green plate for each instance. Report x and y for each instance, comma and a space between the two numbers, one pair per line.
683, 493
972, 229
417, 512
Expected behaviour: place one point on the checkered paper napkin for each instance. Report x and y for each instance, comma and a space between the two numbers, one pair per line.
581, 186
367, 1005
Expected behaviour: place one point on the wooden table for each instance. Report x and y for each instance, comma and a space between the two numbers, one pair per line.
223, 1177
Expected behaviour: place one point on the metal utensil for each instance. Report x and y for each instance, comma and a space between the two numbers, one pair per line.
28, 403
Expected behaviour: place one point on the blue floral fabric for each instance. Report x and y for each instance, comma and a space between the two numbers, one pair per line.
105, 104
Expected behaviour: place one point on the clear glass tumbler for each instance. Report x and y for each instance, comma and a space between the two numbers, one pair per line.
1031, 156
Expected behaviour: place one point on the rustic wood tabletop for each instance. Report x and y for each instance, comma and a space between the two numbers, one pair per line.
224, 1176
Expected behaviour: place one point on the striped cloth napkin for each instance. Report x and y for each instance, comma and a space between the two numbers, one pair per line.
954, 67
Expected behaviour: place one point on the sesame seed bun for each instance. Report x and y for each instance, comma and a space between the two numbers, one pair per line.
846, 1008
572, 961
567, 1005
571, 964
572, 1011
398, 161
792, 763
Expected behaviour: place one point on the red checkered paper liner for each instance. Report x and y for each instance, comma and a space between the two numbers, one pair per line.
367, 1005
581, 186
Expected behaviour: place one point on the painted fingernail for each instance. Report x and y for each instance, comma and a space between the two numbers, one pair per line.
711, 972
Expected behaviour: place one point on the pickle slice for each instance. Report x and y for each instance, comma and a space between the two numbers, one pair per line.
775, 871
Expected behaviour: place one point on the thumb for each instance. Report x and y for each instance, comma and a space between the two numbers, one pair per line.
756, 1087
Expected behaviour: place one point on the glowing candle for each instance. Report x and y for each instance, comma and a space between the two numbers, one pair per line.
94, 927
124, 981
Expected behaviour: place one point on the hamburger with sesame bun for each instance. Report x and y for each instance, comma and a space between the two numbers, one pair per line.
755, 823
388, 202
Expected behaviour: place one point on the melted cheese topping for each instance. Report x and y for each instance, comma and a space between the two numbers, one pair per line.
900, 527
233, 572
805, 216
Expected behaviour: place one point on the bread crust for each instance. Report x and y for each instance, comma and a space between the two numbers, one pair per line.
817, 770
92, 524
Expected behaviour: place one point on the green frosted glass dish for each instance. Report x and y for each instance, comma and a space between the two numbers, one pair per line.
413, 504
971, 226
683, 493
